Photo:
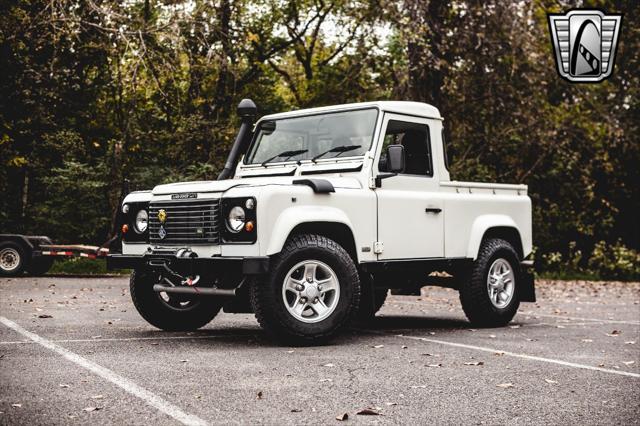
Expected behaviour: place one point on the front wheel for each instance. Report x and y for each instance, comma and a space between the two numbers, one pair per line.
170, 312
312, 292
489, 296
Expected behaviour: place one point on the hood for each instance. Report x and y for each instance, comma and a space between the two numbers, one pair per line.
224, 185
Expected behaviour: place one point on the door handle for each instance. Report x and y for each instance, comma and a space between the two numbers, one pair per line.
432, 210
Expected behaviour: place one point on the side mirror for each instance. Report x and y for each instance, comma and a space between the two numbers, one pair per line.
395, 158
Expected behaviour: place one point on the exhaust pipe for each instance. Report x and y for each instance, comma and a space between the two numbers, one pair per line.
247, 111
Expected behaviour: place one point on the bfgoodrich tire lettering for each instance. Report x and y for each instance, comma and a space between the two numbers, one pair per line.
267, 294
475, 295
161, 314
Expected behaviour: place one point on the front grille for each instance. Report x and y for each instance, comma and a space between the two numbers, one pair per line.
187, 222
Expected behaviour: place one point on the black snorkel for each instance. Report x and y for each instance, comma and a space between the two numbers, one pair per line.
247, 111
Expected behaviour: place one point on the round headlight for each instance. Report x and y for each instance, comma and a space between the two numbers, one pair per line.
236, 219
142, 221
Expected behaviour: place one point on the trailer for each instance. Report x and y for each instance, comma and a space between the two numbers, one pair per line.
35, 254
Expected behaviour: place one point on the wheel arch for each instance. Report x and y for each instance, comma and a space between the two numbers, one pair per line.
326, 221
494, 226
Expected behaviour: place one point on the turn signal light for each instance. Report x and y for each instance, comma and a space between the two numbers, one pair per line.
249, 226
125, 228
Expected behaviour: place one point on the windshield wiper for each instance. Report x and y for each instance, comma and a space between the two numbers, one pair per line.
340, 149
286, 154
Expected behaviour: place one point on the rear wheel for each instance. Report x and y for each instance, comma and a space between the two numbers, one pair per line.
12, 259
170, 312
312, 292
489, 296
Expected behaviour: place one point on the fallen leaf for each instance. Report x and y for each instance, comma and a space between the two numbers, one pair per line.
587, 340
404, 346
290, 352
630, 342
89, 409
552, 382
329, 365
560, 326
62, 385
296, 410
184, 360
474, 363
342, 417
259, 395
492, 336
16, 405
514, 326
378, 346
97, 397
368, 412
432, 333
434, 365
325, 380
45, 316
390, 404
614, 333
628, 362
505, 385
96, 337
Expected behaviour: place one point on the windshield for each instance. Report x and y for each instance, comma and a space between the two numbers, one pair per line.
314, 137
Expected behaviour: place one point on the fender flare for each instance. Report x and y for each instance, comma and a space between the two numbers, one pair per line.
480, 226
294, 216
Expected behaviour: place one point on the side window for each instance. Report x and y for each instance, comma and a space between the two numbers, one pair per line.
417, 147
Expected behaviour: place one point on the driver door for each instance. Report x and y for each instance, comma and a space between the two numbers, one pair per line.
410, 208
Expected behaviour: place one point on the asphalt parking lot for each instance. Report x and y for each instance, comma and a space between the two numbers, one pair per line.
75, 351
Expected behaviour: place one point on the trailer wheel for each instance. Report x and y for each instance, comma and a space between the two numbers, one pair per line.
40, 265
174, 312
13, 259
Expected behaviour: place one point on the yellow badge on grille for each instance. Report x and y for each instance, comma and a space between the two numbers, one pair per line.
162, 216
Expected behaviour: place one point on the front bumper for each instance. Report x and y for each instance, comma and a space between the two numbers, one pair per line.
192, 265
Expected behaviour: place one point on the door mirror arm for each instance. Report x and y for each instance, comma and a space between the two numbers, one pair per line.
383, 176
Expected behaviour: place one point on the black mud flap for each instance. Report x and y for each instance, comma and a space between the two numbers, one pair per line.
527, 288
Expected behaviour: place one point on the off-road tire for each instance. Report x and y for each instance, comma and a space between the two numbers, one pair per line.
266, 293
40, 266
22, 259
370, 303
162, 316
474, 296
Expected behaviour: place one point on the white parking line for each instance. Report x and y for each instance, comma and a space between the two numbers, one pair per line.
608, 321
123, 339
518, 355
150, 398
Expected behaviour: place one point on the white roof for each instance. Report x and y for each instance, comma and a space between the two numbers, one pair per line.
402, 107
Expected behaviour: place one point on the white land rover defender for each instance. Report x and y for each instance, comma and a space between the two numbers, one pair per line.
316, 215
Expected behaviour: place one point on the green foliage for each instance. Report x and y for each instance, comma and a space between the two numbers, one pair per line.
94, 92
80, 265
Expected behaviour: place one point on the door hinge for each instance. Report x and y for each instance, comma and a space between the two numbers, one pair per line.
372, 182
378, 247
